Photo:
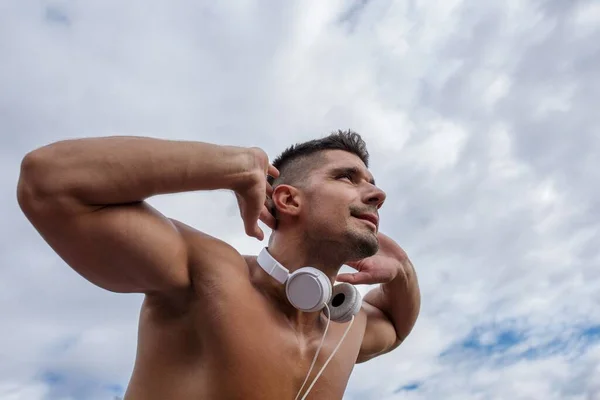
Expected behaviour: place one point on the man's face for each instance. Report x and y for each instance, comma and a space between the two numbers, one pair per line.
340, 199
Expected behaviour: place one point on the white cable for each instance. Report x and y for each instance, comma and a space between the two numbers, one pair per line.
316, 354
330, 357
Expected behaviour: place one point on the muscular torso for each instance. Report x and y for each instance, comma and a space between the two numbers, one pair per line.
228, 341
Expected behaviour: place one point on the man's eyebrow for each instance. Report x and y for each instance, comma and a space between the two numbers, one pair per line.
354, 171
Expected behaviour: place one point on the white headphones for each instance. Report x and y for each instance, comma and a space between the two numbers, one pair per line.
309, 289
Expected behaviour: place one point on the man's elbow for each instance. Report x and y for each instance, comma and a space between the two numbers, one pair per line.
404, 329
32, 185
39, 190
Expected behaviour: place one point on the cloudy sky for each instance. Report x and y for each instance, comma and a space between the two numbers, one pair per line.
482, 120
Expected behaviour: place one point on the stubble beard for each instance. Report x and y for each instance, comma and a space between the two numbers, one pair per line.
360, 245
353, 246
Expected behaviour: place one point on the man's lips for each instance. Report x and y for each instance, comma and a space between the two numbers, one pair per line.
370, 217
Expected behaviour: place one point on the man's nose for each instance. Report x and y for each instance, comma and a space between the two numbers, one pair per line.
376, 197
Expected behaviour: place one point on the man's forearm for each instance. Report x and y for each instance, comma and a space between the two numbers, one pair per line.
117, 170
399, 299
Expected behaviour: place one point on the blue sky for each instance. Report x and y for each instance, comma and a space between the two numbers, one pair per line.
481, 119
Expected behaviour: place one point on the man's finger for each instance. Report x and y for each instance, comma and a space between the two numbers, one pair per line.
358, 278
251, 224
260, 235
252, 228
272, 171
267, 218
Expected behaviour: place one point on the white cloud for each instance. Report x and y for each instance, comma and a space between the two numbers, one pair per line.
481, 123
19, 391
587, 16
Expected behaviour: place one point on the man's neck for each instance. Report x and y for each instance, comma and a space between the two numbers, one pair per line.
295, 254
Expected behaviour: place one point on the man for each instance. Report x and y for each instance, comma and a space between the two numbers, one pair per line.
213, 324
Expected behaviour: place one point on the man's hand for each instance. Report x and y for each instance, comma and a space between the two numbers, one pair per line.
253, 194
393, 306
389, 262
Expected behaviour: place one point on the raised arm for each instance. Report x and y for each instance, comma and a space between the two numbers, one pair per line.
393, 306
86, 199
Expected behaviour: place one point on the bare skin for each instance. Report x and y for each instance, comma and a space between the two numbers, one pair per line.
213, 324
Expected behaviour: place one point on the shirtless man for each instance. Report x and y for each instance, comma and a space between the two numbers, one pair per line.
213, 324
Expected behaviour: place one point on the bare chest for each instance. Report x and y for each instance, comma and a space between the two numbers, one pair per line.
232, 344
249, 353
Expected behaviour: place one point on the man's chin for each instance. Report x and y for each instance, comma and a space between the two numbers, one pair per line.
363, 245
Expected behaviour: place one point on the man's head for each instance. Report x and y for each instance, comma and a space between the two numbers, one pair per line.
325, 193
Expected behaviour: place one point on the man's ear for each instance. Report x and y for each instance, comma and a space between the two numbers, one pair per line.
286, 200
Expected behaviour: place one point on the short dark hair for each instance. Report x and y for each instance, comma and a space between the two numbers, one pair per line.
297, 161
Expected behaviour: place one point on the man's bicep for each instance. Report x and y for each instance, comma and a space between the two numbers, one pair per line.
122, 248
380, 335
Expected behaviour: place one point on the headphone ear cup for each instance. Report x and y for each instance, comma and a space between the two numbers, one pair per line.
308, 289
345, 302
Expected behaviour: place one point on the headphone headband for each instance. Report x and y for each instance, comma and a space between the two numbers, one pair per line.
272, 267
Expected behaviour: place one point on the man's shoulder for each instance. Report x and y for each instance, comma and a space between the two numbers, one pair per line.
250, 261
211, 258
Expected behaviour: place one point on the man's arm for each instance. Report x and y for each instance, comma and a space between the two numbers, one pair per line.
392, 309
393, 306
86, 198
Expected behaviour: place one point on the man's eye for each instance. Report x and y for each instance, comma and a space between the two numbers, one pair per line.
345, 176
